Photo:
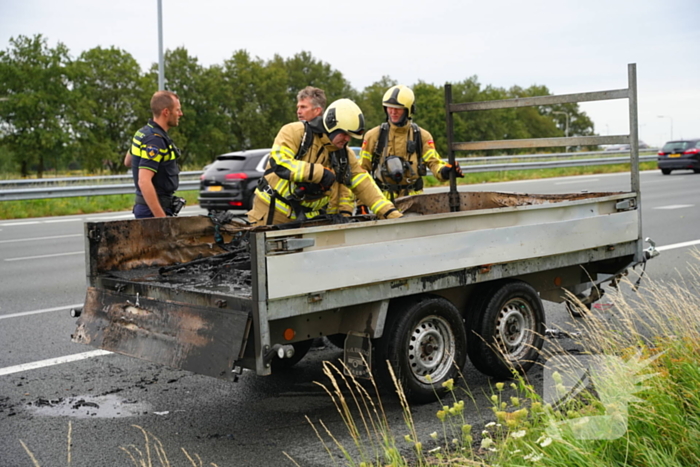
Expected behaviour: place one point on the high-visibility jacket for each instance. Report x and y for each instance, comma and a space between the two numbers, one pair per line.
152, 149
285, 172
397, 145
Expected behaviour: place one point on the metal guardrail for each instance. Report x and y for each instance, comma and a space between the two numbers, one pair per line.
15, 190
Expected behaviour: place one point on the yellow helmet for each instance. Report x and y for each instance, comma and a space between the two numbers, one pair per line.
400, 97
344, 115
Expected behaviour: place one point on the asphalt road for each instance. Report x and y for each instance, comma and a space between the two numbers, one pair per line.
250, 423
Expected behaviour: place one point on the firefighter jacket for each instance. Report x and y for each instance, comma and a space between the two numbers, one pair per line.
294, 181
413, 164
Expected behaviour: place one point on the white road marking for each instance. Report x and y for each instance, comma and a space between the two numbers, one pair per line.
40, 238
104, 218
20, 223
574, 182
46, 256
676, 206
54, 221
45, 310
678, 245
52, 361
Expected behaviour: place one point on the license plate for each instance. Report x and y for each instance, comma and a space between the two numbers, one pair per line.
215, 188
674, 155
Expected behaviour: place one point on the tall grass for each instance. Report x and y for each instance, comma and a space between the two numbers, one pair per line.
642, 408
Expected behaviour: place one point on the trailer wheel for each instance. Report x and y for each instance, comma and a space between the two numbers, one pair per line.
338, 340
506, 329
425, 342
301, 348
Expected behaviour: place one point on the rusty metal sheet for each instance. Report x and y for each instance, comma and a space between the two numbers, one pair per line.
435, 203
200, 339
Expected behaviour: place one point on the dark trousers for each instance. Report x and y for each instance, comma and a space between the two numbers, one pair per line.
142, 211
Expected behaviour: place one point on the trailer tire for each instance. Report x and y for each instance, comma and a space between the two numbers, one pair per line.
338, 340
425, 342
301, 348
505, 330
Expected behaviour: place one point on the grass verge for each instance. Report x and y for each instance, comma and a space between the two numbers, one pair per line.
75, 206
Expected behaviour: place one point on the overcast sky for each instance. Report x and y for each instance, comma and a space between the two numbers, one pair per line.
568, 46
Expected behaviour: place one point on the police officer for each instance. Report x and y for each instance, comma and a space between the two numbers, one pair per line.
154, 158
307, 161
398, 151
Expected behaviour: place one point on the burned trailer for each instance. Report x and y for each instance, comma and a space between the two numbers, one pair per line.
165, 291
461, 275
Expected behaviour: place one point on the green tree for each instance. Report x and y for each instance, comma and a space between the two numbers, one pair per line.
34, 79
254, 99
107, 92
185, 77
304, 70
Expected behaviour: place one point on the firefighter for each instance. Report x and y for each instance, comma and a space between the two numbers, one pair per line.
310, 159
311, 102
398, 152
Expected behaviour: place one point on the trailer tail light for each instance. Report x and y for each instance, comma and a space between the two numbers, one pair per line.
236, 176
289, 334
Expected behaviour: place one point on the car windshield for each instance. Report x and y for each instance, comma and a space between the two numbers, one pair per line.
677, 146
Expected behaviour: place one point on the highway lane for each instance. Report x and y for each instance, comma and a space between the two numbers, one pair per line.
247, 423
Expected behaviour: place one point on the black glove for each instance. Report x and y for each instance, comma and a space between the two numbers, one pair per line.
339, 219
445, 171
327, 180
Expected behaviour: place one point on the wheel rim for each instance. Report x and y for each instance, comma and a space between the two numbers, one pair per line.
514, 327
431, 349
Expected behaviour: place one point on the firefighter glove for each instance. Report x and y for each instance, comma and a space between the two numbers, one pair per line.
327, 180
445, 171
339, 219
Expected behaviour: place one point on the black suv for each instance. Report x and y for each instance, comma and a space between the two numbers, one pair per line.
679, 155
230, 181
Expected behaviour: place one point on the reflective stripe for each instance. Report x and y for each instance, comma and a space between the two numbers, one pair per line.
366, 155
280, 206
357, 179
379, 205
430, 154
285, 157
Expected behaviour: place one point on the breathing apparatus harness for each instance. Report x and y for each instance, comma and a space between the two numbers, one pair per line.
305, 190
391, 172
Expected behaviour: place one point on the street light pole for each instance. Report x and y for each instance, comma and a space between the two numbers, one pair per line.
161, 65
670, 118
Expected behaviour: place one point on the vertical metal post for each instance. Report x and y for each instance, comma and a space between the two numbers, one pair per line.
261, 328
635, 184
454, 195
161, 64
